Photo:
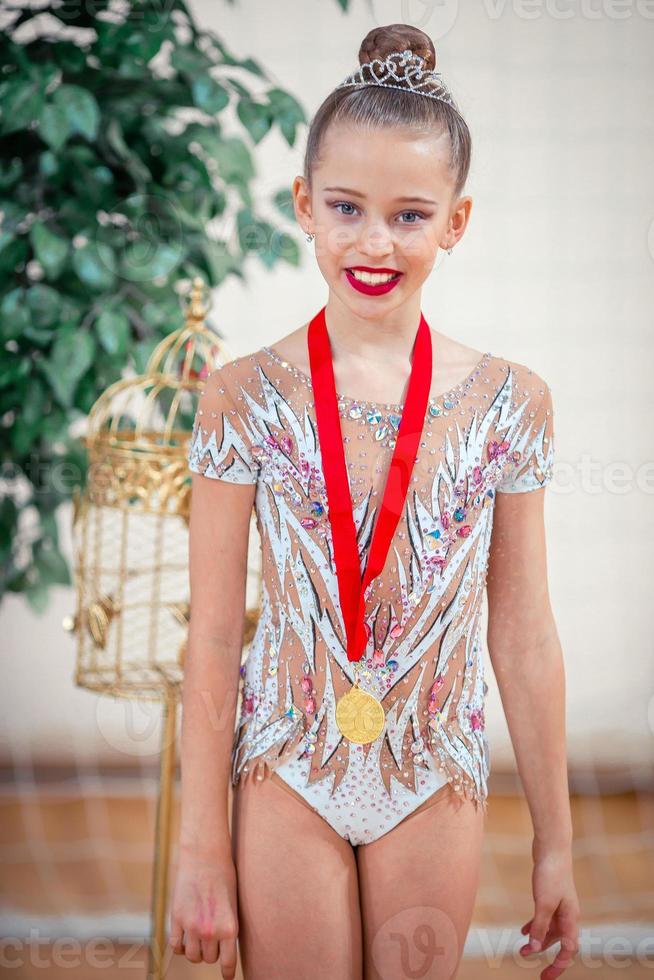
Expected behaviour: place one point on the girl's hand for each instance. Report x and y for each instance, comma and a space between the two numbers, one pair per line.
204, 911
556, 916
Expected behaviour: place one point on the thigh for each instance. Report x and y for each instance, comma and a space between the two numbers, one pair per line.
298, 893
418, 885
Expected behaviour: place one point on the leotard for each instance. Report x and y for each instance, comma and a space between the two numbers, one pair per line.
492, 433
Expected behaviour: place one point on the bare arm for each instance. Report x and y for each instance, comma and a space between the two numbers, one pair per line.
204, 913
527, 660
218, 542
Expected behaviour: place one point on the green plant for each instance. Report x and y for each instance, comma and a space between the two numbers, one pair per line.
113, 161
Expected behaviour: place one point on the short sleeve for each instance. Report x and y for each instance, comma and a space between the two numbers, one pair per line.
220, 444
530, 459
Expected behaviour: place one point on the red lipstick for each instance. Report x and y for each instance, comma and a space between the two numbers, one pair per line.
367, 288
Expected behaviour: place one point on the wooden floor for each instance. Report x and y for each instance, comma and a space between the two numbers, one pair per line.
82, 848
131, 966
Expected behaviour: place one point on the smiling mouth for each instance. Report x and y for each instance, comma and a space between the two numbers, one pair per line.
374, 278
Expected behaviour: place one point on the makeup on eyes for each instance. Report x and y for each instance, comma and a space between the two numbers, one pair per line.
334, 205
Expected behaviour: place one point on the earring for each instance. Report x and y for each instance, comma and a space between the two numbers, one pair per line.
309, 236
449, 251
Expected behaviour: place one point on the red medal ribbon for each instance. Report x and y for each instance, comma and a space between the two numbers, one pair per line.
346, 553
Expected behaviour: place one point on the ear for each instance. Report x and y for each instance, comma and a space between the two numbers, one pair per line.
302, 203
458, 222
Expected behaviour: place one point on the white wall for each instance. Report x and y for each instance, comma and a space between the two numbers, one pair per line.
555, 271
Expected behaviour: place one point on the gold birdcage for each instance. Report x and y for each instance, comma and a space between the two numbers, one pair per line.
130, 524
130, 539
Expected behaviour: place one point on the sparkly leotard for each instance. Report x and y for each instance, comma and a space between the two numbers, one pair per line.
492, 433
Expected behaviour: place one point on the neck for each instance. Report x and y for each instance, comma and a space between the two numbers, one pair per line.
380, 341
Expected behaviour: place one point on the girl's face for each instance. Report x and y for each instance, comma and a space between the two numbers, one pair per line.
380, 200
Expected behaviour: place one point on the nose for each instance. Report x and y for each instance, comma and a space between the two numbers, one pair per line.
375, 240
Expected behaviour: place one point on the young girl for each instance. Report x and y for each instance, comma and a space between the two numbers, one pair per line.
379, 454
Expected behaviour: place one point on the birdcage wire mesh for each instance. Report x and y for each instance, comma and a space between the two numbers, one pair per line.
130, 521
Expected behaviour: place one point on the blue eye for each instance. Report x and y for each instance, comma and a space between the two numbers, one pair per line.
347, 204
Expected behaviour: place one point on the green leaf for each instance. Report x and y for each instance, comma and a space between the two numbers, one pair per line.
141, 353
80, 109
45, 305
208, 94
38, 338
49, 249
283, 200
189, 61
54, 428
220, 262
256, 118
33, 402
36, 594
72, 354
248, 63
13, 372
54, 128
49, 526
142, 263
286, 248
279, 247
14, 314
50, 563
283, 103
68, 54
233, 159
13, 215
13, 253
95, 265
11, 173
48, 164
24, 436
133, 164
238, 87
20, 104
253, 66
112, 328
8, 521
287, 112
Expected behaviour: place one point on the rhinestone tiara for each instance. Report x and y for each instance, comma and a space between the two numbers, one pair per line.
385, 73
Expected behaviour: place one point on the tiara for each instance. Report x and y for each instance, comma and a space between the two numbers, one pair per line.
411, 72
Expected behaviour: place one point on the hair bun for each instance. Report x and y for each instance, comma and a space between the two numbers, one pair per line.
382, 41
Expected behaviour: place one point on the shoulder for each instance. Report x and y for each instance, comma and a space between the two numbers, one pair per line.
236, 375
522, 380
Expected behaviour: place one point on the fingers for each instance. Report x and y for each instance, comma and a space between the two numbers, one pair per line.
551, 936
209, 949
538, 929
176, 937
562, 926
563, 959
206, 946
192, 946
228, 958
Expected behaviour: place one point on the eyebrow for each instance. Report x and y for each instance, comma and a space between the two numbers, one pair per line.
398, 200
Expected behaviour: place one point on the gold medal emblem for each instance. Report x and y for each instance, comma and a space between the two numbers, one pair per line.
360, 716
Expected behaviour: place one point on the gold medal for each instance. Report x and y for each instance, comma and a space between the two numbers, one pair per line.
359, 715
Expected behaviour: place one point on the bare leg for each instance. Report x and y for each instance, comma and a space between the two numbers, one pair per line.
418, 885
298, 895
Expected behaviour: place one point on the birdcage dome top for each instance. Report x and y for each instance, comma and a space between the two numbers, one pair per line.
154, 410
